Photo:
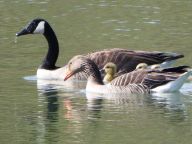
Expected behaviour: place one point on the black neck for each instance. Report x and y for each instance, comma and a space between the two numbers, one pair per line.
93, 71
53, 50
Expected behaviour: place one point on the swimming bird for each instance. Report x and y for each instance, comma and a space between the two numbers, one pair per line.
110, 72
155, 66
141, 66
142, 81
126, 60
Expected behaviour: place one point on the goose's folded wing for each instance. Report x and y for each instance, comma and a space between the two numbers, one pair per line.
127, 60
160, 77
153, 80
149, 78
134, 77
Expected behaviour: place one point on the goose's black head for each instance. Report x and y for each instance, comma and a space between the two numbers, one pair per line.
36, 26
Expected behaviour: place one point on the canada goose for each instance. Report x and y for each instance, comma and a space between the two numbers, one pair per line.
110, 72
125, 60
142, 81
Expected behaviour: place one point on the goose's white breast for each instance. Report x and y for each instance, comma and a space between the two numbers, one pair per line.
57, 74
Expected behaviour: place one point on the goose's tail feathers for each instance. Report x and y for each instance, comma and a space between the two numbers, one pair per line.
173, 85
179, 69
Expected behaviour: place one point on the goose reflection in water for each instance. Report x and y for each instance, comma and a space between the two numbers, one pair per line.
48, 116
170, 105
81, 109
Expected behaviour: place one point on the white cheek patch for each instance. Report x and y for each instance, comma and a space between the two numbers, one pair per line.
40, 28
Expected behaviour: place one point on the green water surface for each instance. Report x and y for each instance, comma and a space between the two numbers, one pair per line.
65, 114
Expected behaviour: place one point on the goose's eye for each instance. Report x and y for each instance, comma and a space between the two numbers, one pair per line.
69, 65
31, 27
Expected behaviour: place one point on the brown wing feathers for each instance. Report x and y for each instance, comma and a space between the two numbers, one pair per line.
149, 78
126, 60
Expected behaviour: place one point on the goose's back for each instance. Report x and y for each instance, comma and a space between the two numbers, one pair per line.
134, 77
145, 79
127, 60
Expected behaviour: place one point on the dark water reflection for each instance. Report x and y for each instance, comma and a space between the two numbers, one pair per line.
76, 113
48, 118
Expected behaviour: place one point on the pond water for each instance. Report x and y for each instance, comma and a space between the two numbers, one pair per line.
45, 112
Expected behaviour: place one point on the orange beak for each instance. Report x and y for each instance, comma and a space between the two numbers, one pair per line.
68, 75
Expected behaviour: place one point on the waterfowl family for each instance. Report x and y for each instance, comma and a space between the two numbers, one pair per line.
142, 66
125, 60
142, 81
110, 72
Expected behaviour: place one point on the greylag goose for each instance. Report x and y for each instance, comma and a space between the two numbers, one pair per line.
110, 72
142, 81
125, 60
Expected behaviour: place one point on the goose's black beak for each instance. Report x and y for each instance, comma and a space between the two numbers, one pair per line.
22, 32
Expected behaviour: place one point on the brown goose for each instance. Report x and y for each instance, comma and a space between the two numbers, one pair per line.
125, 60
142, 81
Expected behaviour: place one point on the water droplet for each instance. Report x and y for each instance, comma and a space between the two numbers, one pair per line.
15, 39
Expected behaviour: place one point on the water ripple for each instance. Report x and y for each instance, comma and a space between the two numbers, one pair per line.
152, 22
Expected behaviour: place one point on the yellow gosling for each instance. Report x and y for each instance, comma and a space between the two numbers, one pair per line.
155, 66
141, 66
110, 71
